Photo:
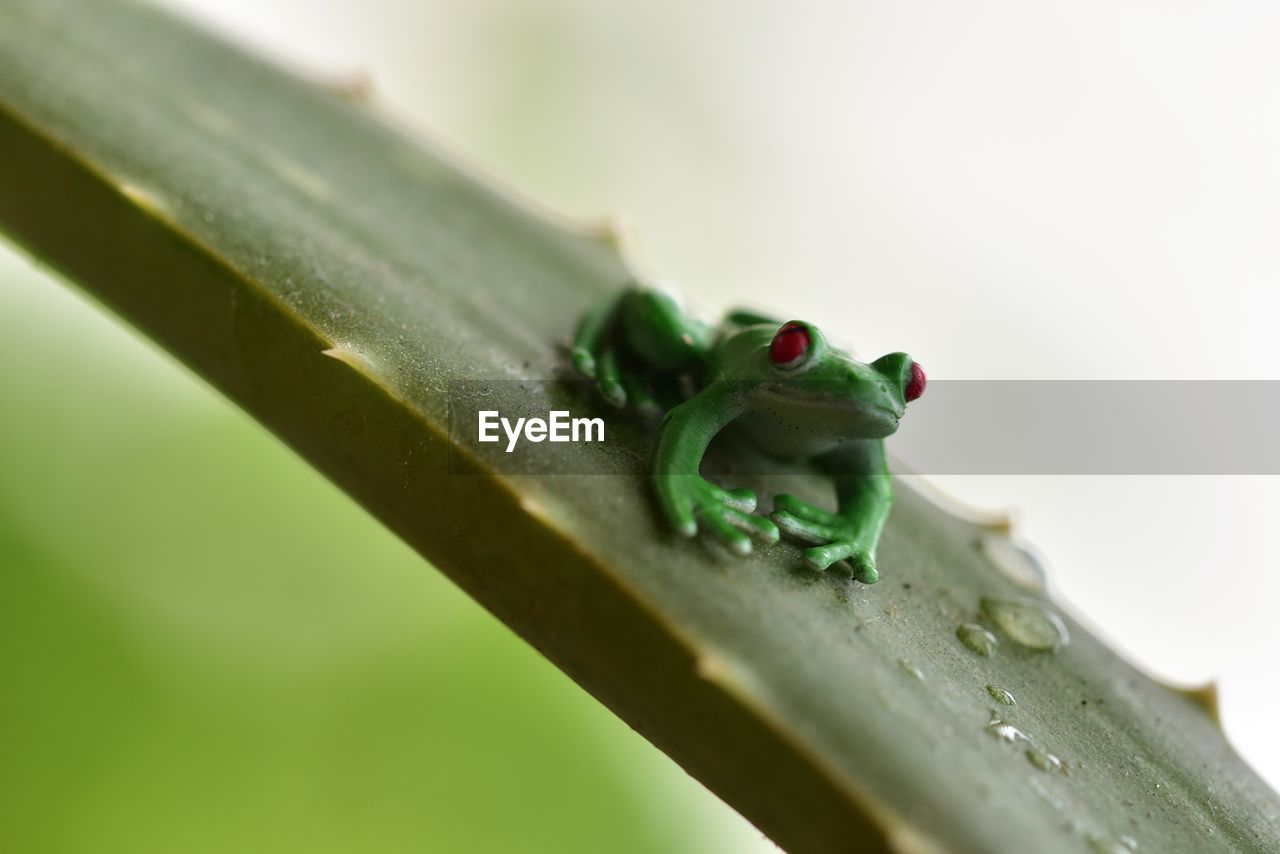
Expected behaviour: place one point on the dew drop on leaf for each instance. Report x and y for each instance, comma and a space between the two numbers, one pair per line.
1046, 762
1027, 622
1000, 695
977, 639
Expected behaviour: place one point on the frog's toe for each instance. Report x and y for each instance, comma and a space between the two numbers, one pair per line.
821, 557
609, 378
864, 567
613, 394
805, 511
758, 527
724, 531
740, 499
802, 529
859, 560
676, 506
584, 362
864, 570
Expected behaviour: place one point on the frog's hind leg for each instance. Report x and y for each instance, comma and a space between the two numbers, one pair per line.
632, 342
659, 332
648, 325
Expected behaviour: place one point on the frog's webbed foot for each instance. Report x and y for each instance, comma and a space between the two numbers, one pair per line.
690, 502
837, 537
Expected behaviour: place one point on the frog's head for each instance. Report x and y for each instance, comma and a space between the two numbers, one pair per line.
864, 399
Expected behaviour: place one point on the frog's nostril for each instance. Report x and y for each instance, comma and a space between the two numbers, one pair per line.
915, 386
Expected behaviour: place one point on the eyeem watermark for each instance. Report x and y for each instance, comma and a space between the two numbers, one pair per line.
558, 426
959, 427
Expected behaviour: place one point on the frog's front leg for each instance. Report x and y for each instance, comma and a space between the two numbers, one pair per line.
864, 492
688, 500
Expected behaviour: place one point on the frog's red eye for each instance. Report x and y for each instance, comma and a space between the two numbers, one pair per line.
789, 346
915, 388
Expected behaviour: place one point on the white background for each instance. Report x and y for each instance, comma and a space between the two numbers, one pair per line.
1004, 189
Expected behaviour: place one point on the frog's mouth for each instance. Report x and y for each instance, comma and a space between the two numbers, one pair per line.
890, 418
836, 413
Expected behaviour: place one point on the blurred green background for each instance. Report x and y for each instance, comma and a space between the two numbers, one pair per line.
204, 646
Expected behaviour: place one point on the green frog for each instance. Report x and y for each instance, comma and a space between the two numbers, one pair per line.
783, 387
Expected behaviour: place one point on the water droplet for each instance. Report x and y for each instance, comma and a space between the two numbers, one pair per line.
977, 639
1046, 762
1027, 622
1005, 731
1103, 845
1000, 695
910, 669
1016, 560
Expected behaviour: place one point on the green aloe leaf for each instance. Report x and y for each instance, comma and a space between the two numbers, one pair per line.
338, 280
